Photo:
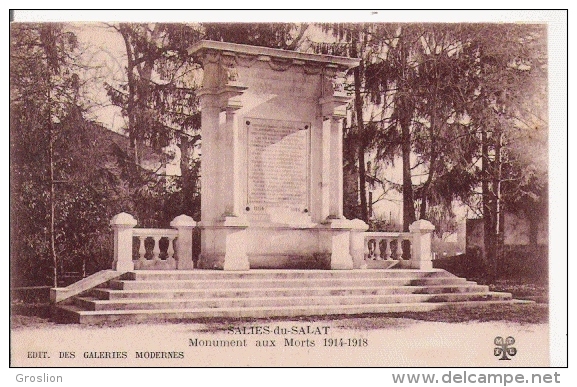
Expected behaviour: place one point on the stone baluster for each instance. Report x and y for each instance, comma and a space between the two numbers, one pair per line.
367, 251
122, 225
378, 249
388, 251
156, 249
170, 251
141, 249
399, 250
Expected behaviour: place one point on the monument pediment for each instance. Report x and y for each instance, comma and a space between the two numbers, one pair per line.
248, 54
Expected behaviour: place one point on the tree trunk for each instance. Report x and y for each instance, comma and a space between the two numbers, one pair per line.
360, 132
533, 220
405, 111
408, 196
52, 197
499, 218
132, 127
488, 215
432, 165
188, 180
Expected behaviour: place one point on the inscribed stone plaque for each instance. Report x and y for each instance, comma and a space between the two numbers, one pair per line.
278, 162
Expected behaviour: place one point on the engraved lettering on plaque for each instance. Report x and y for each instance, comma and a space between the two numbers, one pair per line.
278, 162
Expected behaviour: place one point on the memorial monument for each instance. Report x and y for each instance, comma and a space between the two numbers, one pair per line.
272, 198
272, 159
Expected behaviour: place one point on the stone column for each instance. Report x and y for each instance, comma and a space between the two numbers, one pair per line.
421, 231
336, 168
230, 161
122, 225
333, 108
184, 224
326, 169
210, 159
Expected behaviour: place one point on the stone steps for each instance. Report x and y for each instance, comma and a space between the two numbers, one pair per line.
74, 314
277, 283
158, 295
151, 275
88, 303
114, 294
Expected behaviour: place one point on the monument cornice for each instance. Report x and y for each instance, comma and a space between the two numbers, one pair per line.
297, 58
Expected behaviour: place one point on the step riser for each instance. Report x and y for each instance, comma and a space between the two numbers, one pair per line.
285, 301
334, 283
264, 275
265, 313
296, 292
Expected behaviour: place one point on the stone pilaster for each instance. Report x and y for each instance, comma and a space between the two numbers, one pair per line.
421, 231
333, 107
122, 224
184, 224
223, 229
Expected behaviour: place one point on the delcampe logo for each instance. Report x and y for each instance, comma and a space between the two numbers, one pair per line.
504, 347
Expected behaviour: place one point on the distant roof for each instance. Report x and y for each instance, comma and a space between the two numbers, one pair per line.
272, 52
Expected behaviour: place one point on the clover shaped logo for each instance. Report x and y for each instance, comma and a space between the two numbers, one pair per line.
504, 347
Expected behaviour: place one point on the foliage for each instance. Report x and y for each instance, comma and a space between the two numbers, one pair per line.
44, 91
286, 36
160, 102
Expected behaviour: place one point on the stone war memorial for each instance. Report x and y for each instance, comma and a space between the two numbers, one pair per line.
274, 241
272, 159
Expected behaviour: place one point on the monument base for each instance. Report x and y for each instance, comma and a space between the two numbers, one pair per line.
223, 245
236, 246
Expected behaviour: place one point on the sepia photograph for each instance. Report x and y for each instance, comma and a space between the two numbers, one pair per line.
239, 193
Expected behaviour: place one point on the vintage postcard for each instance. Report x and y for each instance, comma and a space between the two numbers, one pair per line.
242, 193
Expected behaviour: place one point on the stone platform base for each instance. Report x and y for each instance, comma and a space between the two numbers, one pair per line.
233, 245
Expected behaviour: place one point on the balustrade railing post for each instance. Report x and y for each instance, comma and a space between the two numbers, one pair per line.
358, 244
122, 225
184, 224
421, 257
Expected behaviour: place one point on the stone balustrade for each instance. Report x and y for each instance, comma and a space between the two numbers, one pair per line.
390, 247
151, 258
386, 245
167, 249
171, 249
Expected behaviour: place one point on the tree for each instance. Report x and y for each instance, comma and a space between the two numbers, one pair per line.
285, 36
510, 77
56, 201
160, 103
415, 79
42, 92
